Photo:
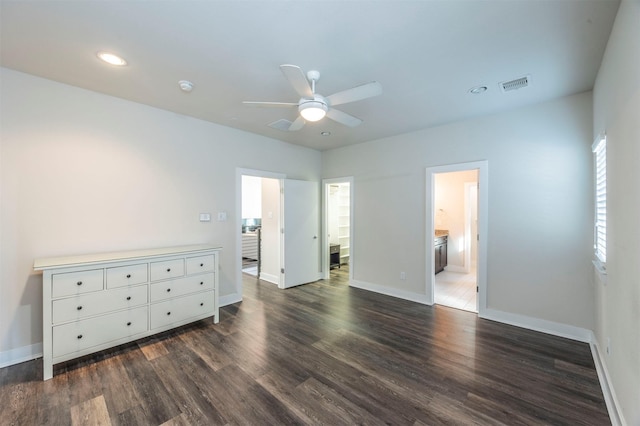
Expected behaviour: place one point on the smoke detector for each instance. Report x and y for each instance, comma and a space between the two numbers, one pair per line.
185, 86
515, 84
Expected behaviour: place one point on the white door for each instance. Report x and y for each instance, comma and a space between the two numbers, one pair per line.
300, 243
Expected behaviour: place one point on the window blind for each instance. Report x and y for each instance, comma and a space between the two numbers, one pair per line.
600, 237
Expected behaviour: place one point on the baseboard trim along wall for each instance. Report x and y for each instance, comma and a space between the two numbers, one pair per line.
229, 299
22, 354
273, 279
537, 324
610, 398
394, 292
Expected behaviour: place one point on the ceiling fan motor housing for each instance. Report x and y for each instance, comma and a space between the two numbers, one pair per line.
313, 109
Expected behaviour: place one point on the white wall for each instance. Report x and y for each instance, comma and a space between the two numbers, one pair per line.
84, 172
617, 112
539, 242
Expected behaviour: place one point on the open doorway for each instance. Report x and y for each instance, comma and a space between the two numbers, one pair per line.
338, 226
456, 225
455, 239
260, 236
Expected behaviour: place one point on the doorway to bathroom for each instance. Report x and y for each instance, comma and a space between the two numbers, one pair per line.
455, 239
456, 224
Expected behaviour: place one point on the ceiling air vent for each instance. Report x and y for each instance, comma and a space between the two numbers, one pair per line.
516, 84
281, 124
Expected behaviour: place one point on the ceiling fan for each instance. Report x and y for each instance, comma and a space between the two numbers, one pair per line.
313, 106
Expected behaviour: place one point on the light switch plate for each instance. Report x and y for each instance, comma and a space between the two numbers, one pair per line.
205, 217
222, 216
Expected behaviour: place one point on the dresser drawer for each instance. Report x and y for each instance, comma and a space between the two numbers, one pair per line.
182, 308
81, 335
70, 283
166, 269
179, 287
126, 275
78, 307
195, 265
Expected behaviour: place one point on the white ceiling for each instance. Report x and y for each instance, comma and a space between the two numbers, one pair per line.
426, 54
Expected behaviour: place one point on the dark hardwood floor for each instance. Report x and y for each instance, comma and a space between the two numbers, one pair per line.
322, 353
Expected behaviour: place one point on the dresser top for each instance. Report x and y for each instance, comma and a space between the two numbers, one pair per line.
119, 256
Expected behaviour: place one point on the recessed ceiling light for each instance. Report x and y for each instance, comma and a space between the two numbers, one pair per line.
477, 90
112, 59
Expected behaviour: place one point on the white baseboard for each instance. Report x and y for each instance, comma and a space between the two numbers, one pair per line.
610, 399
536, 324
394, 292
229, 299
273, 279
22, 354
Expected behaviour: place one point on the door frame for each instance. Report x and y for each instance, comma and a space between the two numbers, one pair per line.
483, 210
238, 219
325, 224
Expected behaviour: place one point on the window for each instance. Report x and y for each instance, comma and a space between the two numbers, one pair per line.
600, 228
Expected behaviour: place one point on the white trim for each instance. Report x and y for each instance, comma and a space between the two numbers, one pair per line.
273, 279
393, 292
610, 398
21, 354
456, 268
536, 324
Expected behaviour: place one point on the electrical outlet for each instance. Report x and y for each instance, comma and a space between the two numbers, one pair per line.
403, 276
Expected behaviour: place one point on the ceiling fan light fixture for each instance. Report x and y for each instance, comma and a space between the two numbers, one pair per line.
313, 110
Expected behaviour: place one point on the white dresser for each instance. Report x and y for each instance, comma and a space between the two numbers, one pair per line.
97, 301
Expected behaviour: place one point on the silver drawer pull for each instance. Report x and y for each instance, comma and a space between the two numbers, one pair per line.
129, 323
79, 336
128, 275
79, 283
79, 308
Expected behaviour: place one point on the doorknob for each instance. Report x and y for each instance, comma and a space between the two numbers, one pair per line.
315, 237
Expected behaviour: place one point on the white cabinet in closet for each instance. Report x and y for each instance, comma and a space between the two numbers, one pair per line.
94, 302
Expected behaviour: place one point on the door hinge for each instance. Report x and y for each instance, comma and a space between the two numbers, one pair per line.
477, 289
282, 270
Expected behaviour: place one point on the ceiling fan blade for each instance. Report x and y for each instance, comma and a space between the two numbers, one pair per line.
357, 93
343, 118
297, 124
297, 79
270, 104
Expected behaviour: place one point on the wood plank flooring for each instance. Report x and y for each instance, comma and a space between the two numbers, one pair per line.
322, 353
